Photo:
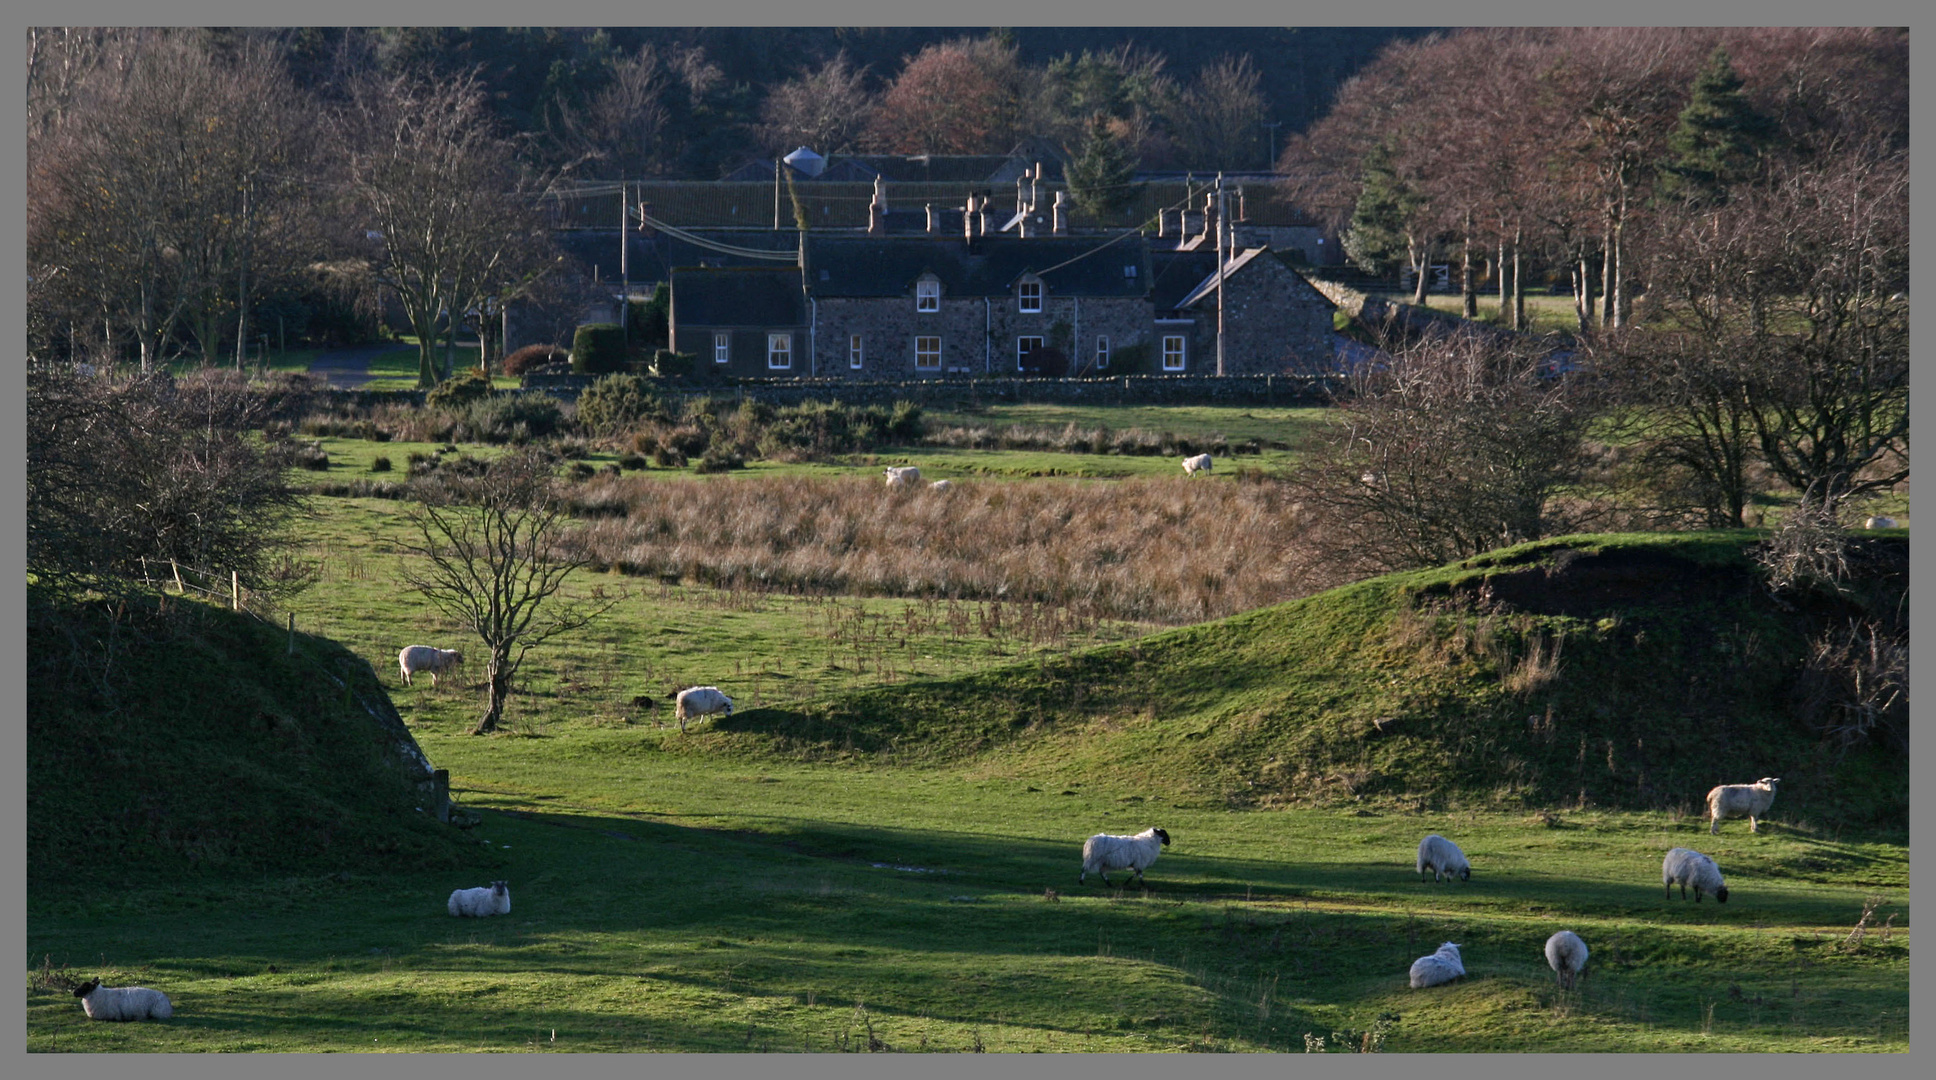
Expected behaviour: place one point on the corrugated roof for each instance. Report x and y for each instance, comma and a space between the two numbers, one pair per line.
737, 296
889, 266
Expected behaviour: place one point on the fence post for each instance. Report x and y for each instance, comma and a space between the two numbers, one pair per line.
235, 591
292, 633
440, 794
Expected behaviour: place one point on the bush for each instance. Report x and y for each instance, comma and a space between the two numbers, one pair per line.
512, 418
533, 356
633, 461
598, 349
460, 389
380, 464
667, 364
717, 460
617, 403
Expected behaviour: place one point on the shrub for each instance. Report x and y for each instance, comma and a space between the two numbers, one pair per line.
460, 390
667, 364
598, 349
689, 441
667, 458
906, 423
513, 418
534, 356
633, 461
380, 464
580, 471
310, 456
718, 460
617, 403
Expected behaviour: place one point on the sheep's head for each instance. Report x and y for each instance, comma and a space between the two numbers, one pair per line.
1163, 836
88, 987
499, 888
452, 656
1768, 782
1465, 873
1721, 895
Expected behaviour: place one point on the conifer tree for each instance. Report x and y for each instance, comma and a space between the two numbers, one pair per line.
1720, 139
1377, 237
1099, 180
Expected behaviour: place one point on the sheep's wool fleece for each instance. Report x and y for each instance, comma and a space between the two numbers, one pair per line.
126, 1003
1441, 967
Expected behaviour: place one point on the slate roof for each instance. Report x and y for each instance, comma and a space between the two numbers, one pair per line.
737, 296
1177, 274
875, 266
1209, 283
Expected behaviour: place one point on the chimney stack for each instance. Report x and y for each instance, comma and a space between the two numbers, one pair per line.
877, 210
1061, 214
968, 219
931, 221
981, 216
1209, 214
1034, 178
1021, 197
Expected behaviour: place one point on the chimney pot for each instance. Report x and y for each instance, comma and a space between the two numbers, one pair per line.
1061, 214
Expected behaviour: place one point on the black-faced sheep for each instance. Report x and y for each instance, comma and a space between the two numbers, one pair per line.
1683, 867
1443, 858
1104, 852
429, 658
1740, 800
1441, 967
492, 899
1566, 955
701, 701
122, 1002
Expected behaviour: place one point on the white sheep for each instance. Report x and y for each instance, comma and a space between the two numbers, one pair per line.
1879, 522
1683, 867
1104, 852
942, 485
903, 476
122, 1002
1750, 801
1194, 465
492, 899
415, 658
1566, 955
701, 701
1443, 858
1441, 967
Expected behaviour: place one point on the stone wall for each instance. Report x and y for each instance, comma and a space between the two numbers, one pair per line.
948, 393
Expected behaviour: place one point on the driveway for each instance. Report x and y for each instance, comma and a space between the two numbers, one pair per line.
347, 369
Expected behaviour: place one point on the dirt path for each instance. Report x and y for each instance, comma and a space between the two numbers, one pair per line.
347, 369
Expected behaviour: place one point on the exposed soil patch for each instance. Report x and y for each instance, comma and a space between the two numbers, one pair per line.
1582, 584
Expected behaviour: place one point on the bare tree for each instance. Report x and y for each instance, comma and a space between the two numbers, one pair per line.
1221, 115
486, 551
825, 109
617, 135
956, 97
1456, 445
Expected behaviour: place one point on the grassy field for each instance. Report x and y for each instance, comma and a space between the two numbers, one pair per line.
754, 886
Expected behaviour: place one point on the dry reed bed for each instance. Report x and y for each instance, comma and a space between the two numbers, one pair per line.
1172, 550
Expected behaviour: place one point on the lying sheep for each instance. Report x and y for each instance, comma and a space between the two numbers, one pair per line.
701, 701
1194, 465
903, 476
1566, 955
942, 485
492, 899
1683, 867
1104, 852
1441, 967
122, 1002
1740, 800
429, 658
1879, 522
1442, 857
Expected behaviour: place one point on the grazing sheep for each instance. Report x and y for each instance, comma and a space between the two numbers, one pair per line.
700, 701
903, 476
1879, 523
1740, 800
1683, 867
1566, 955
429, 658
1442, 857
122, 1002
942, 485
1194, 465
492, 899
1104, 852
1441, 967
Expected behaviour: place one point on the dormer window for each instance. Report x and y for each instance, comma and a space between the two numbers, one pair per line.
927, 295
1030, 297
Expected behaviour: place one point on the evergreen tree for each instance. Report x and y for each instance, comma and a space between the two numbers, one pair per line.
1720, 139
1376, 239
1099, 180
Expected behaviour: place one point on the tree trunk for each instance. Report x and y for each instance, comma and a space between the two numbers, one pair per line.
1606, 277
1421, 267
1583, 294
1518, 287
1617, 285
1468, 287
498, 687
1499, 267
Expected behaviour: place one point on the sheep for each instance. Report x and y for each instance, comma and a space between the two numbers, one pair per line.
492, 899
1194, 465
1442, 857
701, 701
1104, 852
415, 658
1740, 800
1683, 867
122, 1002
1879, 522
1441, 967
1566, 955
942, 485
903, 476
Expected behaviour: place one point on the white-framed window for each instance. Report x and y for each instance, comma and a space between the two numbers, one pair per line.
855, 352
1023, 347
1030, 297
1102, 351
927, 295
927, 354
1173, 354
779, 351
722, 346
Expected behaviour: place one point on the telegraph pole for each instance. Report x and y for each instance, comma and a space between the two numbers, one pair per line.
624, 266
1222, 217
